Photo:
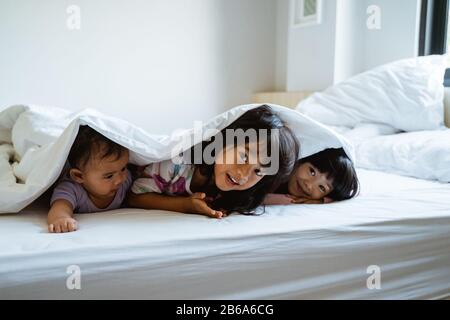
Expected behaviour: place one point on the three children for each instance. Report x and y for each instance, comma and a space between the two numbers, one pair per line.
237, 180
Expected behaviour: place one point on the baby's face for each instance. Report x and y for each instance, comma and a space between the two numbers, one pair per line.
308, 182
103, 177
238, 170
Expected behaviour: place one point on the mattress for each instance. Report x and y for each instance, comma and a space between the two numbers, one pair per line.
398, 224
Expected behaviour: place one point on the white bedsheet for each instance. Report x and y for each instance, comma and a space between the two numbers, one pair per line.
398, 223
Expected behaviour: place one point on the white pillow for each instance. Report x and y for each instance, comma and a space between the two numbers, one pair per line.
420, 154
406, 95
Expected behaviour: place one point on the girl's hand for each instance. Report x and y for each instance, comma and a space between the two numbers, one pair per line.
62, 225
278, 199
311, 201
197, 204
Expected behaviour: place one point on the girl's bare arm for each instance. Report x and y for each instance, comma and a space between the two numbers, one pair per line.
193, 204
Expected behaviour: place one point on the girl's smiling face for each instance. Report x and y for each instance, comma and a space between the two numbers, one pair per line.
308, 182
238, 170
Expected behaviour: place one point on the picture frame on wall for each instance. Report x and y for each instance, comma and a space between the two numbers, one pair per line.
306, 13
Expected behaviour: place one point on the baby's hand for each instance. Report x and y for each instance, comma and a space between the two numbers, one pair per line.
62, 225
198, 205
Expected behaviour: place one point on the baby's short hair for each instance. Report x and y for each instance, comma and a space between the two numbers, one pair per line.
87, 143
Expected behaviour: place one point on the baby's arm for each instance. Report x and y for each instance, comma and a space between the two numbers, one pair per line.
194, 204
60, 217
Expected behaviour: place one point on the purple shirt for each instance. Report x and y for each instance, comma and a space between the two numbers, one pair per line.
77, 196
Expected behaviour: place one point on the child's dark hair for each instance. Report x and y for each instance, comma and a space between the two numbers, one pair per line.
246, 201
339, 168
87, 143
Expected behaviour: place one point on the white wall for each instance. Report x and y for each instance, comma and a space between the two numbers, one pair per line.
164, 63
342, 46
311, 50
399, 33
159, 63
282, 44
350, 41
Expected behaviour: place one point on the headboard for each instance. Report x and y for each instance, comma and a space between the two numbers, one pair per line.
291, 99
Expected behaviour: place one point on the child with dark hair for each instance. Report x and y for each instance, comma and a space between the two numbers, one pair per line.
97, 180
218, 187
323, 177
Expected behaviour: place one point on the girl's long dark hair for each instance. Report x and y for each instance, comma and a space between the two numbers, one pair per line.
246, 201
339, 168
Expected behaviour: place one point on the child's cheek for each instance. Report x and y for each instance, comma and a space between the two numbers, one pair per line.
218, 180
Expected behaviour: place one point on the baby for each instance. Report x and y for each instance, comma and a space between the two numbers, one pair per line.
323, 177
97, 180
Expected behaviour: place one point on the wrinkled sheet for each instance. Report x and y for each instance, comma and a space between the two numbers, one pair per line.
400, 224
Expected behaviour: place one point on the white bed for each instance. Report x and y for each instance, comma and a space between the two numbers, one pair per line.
398, 223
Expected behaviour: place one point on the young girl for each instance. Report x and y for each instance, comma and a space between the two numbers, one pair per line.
223, 186
320, 178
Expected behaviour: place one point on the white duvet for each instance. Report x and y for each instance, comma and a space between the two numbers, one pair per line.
35, 142
422, 154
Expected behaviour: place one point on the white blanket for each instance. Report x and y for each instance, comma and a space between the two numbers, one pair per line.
35, 142
421, 154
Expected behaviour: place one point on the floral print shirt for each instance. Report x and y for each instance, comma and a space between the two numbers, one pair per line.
165, 177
